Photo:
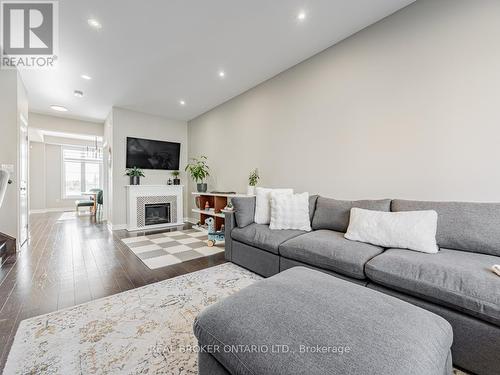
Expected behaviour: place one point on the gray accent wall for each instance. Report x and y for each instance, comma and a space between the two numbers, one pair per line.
406, 108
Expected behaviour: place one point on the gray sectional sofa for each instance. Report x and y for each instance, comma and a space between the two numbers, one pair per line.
456, 283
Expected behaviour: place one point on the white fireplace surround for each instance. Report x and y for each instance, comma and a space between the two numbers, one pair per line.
140, 195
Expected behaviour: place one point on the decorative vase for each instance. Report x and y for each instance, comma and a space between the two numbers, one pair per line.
250, 190
202, 188
177, 181
135, 180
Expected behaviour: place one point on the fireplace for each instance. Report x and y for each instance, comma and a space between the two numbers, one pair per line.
164, 204
157, 213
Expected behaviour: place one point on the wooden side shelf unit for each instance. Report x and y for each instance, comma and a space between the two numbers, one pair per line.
216, 202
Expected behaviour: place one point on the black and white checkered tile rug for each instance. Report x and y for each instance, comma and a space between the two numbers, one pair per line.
164, 249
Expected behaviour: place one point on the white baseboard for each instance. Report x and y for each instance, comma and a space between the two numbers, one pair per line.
45, 210
112, 226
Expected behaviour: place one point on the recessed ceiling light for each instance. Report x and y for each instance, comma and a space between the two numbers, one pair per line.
59, 108
86, 77
222, 74
182, 102
94, 23
301, 16
78, 93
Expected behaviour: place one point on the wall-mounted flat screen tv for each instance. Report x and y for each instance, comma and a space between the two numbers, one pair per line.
149, 154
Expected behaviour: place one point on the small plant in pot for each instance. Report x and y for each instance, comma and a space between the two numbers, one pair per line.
253, 179
135, 175
199, 171
177, 180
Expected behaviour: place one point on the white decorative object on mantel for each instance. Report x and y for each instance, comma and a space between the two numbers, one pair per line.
139, 196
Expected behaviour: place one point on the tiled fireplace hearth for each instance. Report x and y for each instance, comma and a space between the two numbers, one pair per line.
154, 206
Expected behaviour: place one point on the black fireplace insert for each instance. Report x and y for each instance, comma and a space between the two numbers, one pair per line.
158, 213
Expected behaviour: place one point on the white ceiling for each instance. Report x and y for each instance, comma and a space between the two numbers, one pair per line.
151, 54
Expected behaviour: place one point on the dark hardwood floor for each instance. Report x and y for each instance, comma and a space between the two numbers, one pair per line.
72, 261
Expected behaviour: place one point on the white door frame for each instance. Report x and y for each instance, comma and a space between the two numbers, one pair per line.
23, 182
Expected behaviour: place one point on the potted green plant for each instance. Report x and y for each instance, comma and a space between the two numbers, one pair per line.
135, 175
253, 179
177, 180
199, 170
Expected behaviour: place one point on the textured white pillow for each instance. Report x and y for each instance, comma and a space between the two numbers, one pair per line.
413, 230
290, 211
263, 203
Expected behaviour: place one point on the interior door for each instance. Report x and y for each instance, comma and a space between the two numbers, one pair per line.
23, 181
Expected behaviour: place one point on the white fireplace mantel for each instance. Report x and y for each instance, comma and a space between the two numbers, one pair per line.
139, 195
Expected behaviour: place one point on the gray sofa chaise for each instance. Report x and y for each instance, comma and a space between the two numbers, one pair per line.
456, 283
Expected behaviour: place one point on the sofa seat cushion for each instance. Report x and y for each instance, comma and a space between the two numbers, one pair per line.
452, 278
259, 235
315, 316
330, 250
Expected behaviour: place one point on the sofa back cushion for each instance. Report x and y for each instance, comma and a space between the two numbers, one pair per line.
334, 214
312, 206
244, 210
473, 227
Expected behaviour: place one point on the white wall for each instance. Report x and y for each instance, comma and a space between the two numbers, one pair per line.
408, 108
46, 158
126, 123
65, 125
46, 178
108, 167
53, 177
9, 149
37, 180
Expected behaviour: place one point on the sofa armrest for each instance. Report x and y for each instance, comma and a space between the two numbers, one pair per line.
229, 224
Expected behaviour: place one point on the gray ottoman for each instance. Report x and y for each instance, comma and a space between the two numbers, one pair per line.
306, 322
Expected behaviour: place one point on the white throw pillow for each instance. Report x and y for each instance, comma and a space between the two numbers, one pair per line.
413, 230
290, 211
263, 203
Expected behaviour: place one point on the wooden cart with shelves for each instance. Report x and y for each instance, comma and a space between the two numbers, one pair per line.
216, 203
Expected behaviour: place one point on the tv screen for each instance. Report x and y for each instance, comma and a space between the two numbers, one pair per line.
149, 154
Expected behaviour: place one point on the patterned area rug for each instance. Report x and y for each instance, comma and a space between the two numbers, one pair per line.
141, 331
164, 249
136, 332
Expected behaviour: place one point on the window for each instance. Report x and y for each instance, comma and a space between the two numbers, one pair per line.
81, 171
